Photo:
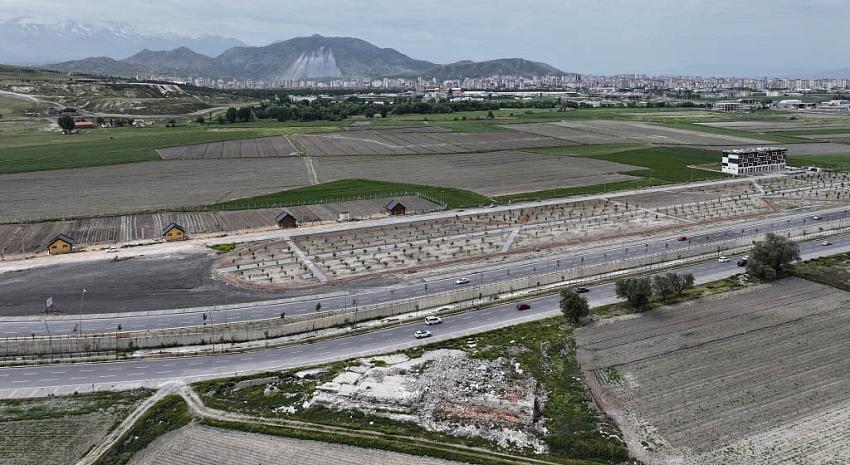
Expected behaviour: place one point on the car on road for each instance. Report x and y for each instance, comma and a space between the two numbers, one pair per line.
816, 217
522, 306
433, 320
742, 261
444, 309
826, 243
582, 290
422, 333
460, 281
682, 238
723, 259
112, 250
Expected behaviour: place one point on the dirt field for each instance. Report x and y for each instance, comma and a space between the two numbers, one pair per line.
494, 173
395, 142
762, 126
58, 431
279, 146
132, 187
752, 377
33, 237
202, 445
623, 132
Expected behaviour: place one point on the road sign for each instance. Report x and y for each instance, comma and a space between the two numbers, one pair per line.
49, 303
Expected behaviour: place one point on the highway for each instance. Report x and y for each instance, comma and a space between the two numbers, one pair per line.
82, 377
69, 324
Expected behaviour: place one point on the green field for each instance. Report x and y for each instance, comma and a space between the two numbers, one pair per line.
349, 189
36, 152
663, 165
835, 162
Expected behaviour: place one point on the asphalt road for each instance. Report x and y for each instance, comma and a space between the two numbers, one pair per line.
68, 324
58, 379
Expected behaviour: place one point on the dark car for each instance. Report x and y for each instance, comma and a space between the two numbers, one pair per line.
682, 238
522, 306
742, 262
582, 290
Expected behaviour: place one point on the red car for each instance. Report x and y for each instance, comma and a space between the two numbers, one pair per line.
522, 306
682, 238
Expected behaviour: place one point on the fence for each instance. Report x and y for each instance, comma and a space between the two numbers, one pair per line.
69, 346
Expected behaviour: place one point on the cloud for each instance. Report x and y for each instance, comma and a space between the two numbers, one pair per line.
575, 35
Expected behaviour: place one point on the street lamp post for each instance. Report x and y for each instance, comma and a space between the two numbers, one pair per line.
82, 300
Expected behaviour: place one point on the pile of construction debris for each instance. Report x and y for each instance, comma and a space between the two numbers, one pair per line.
445, 391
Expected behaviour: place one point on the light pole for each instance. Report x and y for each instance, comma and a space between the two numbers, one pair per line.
226, 286
82, 300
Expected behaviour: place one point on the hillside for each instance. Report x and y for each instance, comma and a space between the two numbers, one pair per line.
313, 57
503, 66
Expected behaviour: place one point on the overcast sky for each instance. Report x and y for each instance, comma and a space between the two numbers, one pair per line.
589, 36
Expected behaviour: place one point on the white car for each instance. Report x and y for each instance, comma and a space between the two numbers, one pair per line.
112, 250
433, 320
826, 243
460, 281
815, 217
723, 259
422, 333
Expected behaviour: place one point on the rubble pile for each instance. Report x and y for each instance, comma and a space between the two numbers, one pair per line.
444, 391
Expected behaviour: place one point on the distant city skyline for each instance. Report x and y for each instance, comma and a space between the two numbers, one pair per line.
771, 37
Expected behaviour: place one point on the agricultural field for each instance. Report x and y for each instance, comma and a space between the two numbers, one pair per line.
60, 430
129, 188
396, 142
279, 146
625, 132
704, 382
201, 445
489, 174
516, 389
36, 150
794, 126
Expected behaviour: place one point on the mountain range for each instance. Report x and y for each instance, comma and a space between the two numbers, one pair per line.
310, 57
27, 42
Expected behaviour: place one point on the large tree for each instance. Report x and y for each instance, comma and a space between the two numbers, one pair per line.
573, 306
636, 291
66, 123
231, 115
672, 284
771, 257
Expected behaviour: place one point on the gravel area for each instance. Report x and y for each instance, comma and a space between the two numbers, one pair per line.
757, 376
203, 445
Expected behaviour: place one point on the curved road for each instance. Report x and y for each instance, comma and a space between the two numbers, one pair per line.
67, 324
81, 377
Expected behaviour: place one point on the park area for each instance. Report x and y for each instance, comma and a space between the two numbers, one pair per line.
705, 382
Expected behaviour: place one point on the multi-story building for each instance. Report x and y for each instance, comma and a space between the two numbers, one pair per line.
755, 160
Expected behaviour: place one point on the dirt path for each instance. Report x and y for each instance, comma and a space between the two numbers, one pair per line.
96, 452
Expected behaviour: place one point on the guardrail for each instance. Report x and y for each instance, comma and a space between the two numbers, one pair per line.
54, 348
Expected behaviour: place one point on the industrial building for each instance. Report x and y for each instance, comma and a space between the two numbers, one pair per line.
755, 160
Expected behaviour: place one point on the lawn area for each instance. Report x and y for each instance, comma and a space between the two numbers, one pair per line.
835, 162
349, 189
575, 433
42, 151
667, 165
